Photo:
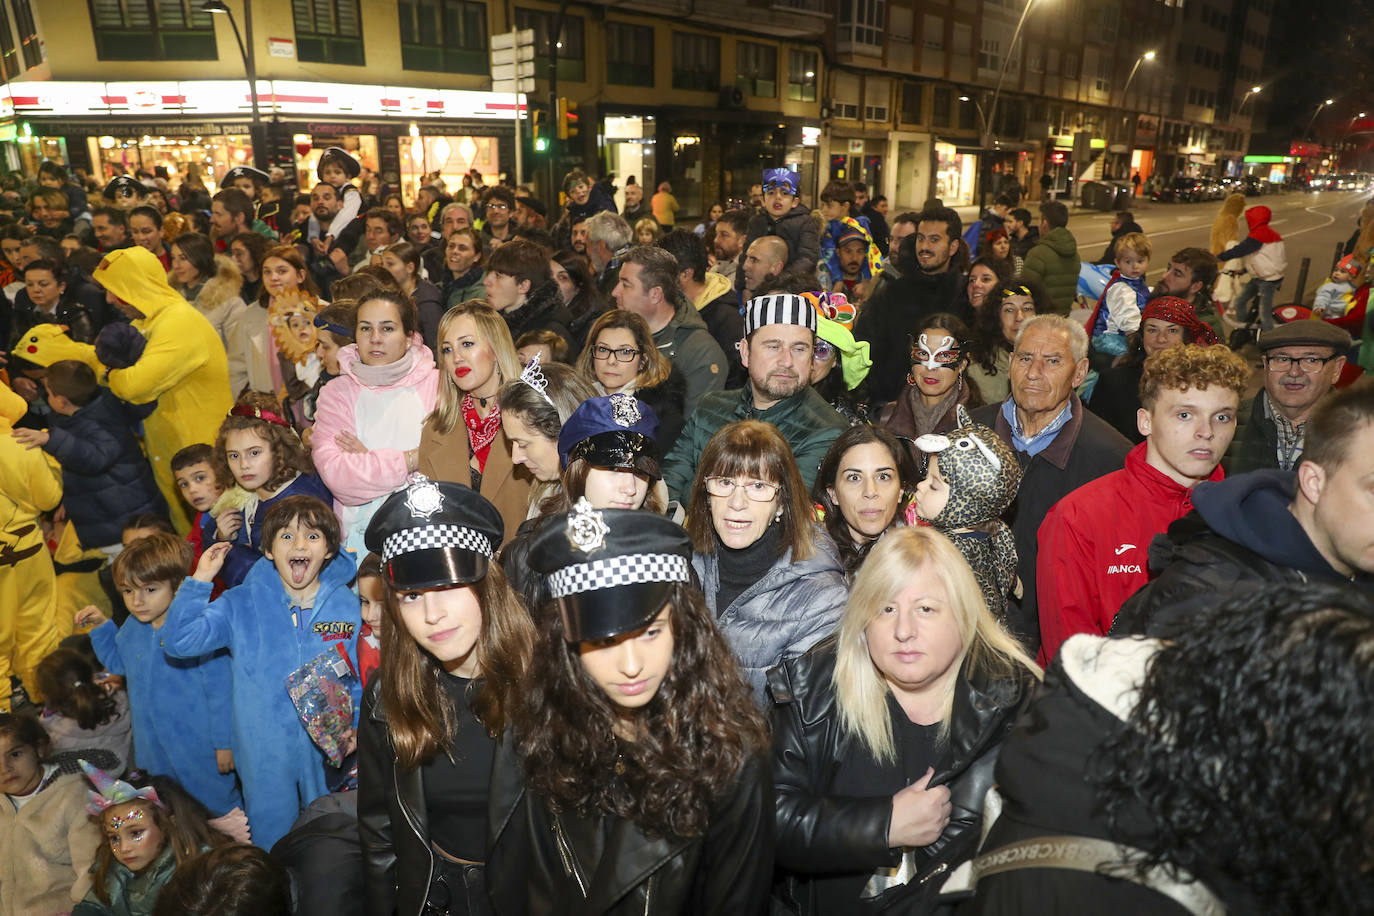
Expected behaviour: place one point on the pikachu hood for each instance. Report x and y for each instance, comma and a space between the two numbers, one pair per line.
136, 276
12, 407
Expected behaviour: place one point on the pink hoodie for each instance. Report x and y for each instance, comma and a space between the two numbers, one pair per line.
387, 419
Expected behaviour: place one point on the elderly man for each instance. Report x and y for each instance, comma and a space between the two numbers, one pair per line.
766, 258
779, 342
608, 238
1302, 361
648, 286
1060, 445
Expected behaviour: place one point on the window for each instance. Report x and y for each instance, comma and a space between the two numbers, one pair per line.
847, 96
28, 33
1070, 65
942, 106
696, 62
629, 54
912, 97
443, 35
756, 69
9, 63
139, 30
1035, 58
933, 33
1104, 75
572, 44
802, 67
990, 54
861, 22
328, 31
877, 96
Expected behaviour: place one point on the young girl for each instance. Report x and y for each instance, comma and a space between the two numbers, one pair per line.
534, 408
78, 714
291, 300
462, 440
47, 842
181, 726
333, 332
402, 261
338, 169
457, 645
260, 450
646, 786
972, 479
371, 594
146, 838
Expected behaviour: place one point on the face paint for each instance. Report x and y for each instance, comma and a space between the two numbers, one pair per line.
118, 821
945, 354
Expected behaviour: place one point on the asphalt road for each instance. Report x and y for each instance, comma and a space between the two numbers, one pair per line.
1311, 224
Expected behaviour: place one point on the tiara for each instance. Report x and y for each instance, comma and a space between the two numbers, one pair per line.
533, 376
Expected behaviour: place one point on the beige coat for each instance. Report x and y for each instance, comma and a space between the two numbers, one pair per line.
446, 456
46, 850
234, 321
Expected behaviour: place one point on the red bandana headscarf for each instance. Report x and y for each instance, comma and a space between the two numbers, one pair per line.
1180, 312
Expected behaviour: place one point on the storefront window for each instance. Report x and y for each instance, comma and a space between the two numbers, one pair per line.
210, 157
362, 147
451, 156
955, 175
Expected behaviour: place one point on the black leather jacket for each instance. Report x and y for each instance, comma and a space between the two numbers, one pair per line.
827, 835
543, 863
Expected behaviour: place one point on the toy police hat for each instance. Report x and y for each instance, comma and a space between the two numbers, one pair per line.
245, 171
1306, 333
778, 308
614, 432
342, 158
610, 570
434, 533
124, 186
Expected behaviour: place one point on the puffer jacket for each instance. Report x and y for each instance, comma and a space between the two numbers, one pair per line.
805, 420
105, 477
543, 310
1054, 263
795, 605
823, 837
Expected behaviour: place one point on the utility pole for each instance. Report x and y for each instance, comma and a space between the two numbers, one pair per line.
512, 70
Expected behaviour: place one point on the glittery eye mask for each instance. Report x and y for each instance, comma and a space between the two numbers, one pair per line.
932, 360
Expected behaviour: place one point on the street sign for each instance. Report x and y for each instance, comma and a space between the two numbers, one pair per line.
507, 40
512, 61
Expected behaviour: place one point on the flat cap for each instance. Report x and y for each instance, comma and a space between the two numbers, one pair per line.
1308, 332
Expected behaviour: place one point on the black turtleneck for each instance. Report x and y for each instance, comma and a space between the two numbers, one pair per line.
741, 568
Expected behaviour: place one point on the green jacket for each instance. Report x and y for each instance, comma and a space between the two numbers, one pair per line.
805, 420
1054, 262
130, 894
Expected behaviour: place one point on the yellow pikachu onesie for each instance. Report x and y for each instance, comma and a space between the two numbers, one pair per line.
30, 484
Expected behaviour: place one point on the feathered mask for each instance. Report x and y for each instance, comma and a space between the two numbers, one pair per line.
291, 317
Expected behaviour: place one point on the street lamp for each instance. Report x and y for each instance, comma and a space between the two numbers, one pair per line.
250, 67
1320, 106
1253, 90
1006, 61
984, 139
1148, 55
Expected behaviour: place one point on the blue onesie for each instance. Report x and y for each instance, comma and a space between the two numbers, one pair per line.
281, 769
179, 706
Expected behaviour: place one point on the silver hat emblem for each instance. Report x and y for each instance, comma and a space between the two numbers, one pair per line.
587, 530
423, 498
625, 409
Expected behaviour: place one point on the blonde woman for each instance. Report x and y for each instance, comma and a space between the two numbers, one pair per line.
885, 734
461, 440
1227, 233
621, 358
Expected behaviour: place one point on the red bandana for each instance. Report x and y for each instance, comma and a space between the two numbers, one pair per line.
481, 433
1180, 312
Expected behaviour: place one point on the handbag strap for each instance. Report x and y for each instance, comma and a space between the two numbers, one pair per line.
1099, 857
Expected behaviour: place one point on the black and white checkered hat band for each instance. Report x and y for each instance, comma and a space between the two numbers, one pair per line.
778, 308
625, 570
434, 537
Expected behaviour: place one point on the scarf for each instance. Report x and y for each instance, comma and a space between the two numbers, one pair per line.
1041, 440
913, 419
385, 376
481, 433
738, 569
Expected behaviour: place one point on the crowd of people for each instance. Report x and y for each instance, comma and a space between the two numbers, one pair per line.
494, 556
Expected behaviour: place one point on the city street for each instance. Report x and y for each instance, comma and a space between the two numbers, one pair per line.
1310, 222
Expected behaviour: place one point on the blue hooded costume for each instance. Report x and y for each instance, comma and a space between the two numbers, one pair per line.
180, 718
281, 769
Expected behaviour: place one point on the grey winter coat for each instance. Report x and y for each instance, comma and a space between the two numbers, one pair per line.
794, 606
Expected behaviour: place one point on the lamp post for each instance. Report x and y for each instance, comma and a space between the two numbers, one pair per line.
250, 67
991, 118
1148, 55
985, 144
1253, 90
1313, 119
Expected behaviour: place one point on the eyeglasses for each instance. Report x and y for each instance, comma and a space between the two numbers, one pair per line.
1309, 364
623, 355
498, 206
759, 491
824, 350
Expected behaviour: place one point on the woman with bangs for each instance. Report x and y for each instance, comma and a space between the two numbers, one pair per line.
621, 357
461, 440
642, 785
772, 577
886, 734
458, 643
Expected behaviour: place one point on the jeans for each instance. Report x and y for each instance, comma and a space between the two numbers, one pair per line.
457, 890
1265, 290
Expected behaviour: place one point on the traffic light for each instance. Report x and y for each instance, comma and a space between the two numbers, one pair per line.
567, 119
541, 131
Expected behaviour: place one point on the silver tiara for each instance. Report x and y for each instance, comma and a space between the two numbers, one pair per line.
533, 376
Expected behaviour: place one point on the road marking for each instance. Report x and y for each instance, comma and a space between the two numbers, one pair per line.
1329, 220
